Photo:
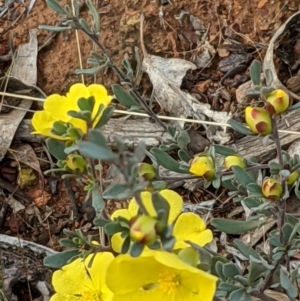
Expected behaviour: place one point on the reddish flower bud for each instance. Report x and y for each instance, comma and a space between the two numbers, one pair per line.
292, 178
278, 102
271, 189
143, 229
234, 160
76, 163
259, 120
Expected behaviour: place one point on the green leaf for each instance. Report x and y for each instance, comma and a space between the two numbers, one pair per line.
265, 91
183, 139
269, 77
184, 156
54, 5
56, 148
256, 271
166, 161
245, 250
237, 126
123, 97
237, 295
263, 262
136, 249
101, 222
59, 128
113, 228
294, 107
67, 243
168, 243
54, 28
126, 245
224, 150
117, 191
97, 200
286, 283
95, 14
92, 71
86, 104
83, 115
58, 260
235, 226
171, 130
217, 265
230, 270
255, 71
106, 115
227, 287
95, 151
160, 204
242, 176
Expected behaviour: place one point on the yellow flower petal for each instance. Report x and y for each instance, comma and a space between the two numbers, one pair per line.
173, 198
42, 123
127, 274
161, 275
190, 226
77, 91
101, 98
58, 106
116, 242
72, 279
123, 213
98, 270
62, 297
198, 168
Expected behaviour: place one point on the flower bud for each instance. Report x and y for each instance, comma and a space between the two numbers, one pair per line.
147, 171
278, 102
76, 163
143, 229
258, 120
203, 165
234, 160
292, 178
271, 189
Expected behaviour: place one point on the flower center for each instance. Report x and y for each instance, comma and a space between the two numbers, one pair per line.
168, 282
91, 296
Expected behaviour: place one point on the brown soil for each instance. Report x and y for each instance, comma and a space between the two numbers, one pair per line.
57, 62
252, 23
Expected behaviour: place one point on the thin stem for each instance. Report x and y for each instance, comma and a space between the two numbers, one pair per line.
94, 38
276, 139
268, 279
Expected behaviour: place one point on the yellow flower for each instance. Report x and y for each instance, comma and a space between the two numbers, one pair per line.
173, 198
56, 108
258, 120
77, 281
234, 160
190, 226
158, 275
277, 102
203, 165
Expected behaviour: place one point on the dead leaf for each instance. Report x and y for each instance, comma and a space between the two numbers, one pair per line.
166, 76
262, 3
40, 197
26, 155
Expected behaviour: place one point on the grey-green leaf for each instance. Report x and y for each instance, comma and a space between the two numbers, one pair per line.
242, 176
58, 260
235, 226
237, 126
166, 161
56, 148
255, 71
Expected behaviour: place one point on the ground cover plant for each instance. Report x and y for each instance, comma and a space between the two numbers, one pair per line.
152, 249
